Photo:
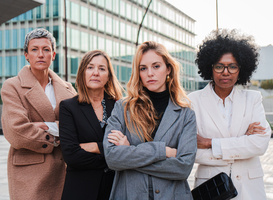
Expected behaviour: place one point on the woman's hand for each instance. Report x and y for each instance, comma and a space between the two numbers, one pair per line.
117, 138
255, 128
203, 143
41, 125
171, 152
91, 147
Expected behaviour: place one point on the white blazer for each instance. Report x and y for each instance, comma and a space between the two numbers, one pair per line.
237, 148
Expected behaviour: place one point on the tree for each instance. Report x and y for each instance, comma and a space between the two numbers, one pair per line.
267, 84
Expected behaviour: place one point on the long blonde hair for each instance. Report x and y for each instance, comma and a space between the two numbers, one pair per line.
112, 87
138, 104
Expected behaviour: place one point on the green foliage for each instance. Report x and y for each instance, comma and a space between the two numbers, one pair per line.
267, 84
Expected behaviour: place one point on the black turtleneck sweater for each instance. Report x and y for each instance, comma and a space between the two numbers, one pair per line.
160, 102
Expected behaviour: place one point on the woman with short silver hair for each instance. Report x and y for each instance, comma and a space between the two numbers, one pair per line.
36, 169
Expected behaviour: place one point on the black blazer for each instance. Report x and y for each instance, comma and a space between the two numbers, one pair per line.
88, 176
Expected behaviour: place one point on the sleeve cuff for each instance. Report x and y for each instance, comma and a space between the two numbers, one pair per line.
216, 148
52, 128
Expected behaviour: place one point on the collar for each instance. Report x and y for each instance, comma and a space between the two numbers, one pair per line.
28, 79
217, 98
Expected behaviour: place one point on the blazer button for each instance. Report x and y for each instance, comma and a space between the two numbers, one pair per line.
157, 191
47, 137
44, 146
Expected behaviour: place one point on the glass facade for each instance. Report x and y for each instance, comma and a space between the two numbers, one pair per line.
109, 25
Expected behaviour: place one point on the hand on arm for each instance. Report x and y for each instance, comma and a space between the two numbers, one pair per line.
203, 143
117, 138
171, 152
41, 125
255, 128
91, 147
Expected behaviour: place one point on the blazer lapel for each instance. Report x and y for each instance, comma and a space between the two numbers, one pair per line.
170, 116
35, 94
210, 105
90, 115
238, 111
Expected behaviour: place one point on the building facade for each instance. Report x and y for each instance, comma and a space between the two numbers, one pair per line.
109, 25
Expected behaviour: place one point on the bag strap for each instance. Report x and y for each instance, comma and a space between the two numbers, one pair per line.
230, 170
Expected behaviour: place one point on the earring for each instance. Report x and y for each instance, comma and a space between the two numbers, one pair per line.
167, 79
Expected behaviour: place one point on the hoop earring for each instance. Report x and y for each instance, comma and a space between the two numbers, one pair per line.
167, 79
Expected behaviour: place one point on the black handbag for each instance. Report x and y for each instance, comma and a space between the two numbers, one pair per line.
219, 187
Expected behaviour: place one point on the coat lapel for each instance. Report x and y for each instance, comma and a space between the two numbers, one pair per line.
61, 90
36, 95
170, 116
210, 105
238, 111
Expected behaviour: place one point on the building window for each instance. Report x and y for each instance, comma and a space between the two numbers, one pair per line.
74, 65
14, 38
95, 42
101, 23
0, 66
56, 34
122, 8
116, 6
116, 27
94, 24
84, 41
139, 16
108, 4
128, 32
116, 50
84, 15
23, 61
55, 8
134, 14
128, 11
39, 12
101, 43
47, 8
56, 64
11, 65
109, 49
122, 30
1, 37
122, 51
75, 39
109, 25
101, 3
7, 39
74, 13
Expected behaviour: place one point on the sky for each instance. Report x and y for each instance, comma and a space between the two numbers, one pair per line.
252, 17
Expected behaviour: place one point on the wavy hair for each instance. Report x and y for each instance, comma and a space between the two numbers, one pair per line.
112, 87
222, 41
138, 104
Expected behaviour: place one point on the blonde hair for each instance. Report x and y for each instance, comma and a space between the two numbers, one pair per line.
112, 87
138, 104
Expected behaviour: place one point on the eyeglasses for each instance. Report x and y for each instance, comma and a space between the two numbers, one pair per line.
220, 68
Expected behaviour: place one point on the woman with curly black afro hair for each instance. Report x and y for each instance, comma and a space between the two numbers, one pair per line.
231, 124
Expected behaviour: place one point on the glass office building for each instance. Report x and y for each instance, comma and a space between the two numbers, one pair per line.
109, 25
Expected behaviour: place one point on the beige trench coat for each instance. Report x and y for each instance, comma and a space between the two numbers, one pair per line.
36, 169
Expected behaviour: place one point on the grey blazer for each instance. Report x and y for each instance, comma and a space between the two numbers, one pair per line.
134, 163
